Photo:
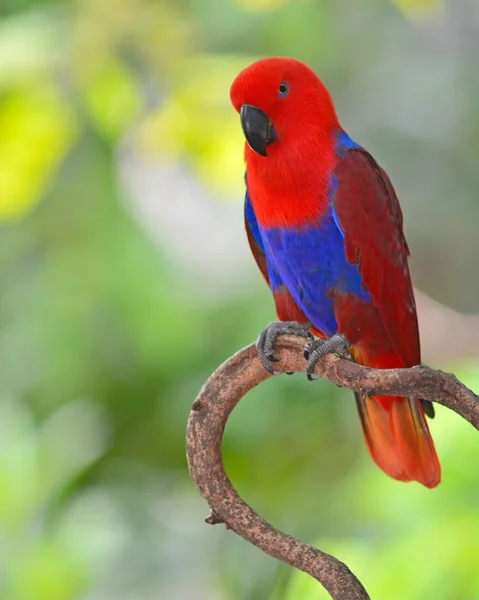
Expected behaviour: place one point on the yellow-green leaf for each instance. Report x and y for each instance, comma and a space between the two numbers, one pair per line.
36, 130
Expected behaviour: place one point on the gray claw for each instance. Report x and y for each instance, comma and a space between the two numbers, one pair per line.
314, 350
267, 338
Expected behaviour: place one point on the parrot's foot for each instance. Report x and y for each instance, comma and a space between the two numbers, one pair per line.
315, 349
267, 338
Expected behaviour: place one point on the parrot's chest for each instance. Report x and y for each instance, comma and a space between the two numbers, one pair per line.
310, 261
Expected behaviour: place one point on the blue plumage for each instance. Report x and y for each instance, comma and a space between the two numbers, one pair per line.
312, 265
343, 143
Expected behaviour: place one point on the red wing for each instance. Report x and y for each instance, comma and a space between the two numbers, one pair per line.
371, 220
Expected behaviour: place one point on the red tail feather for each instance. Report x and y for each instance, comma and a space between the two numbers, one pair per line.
398, 439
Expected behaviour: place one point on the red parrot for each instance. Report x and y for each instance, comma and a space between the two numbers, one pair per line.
326, 230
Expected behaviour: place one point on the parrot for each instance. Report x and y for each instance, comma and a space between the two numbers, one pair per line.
325, 228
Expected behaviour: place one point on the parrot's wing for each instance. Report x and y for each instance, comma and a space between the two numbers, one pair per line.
254, 238
370, 218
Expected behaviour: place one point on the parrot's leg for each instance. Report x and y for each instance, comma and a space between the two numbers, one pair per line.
314, 350
267, 338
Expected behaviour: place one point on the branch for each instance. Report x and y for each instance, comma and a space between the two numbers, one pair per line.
243, 371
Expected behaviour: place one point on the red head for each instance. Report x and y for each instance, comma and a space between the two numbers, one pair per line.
292, 97
288, 119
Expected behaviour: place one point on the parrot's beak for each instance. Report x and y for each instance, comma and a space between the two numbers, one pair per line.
257, 128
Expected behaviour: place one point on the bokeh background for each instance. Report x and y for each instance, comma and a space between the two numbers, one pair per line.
126, 279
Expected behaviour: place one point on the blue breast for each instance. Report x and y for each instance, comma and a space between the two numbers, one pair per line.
312, 265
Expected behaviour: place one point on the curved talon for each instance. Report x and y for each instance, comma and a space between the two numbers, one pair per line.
267, 337
310, 347
337, 344
265, 362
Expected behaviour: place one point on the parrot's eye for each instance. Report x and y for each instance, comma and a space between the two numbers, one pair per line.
283, 89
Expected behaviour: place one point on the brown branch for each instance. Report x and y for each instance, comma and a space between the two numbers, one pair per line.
243, 371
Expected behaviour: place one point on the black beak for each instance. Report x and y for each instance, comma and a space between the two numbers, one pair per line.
257, 128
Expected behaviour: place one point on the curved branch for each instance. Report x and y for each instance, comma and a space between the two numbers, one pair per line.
243, 371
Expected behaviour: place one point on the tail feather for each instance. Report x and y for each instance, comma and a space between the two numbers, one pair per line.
398, 438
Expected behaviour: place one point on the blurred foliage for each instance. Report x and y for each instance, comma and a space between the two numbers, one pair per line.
419, 8
112, 313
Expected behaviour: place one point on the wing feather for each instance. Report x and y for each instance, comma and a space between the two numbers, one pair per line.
370, 217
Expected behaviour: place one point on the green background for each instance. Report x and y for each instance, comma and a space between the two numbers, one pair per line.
126, 279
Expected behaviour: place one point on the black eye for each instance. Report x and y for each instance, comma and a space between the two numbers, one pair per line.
283, 88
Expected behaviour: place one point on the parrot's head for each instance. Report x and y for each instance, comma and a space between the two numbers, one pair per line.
282, 103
